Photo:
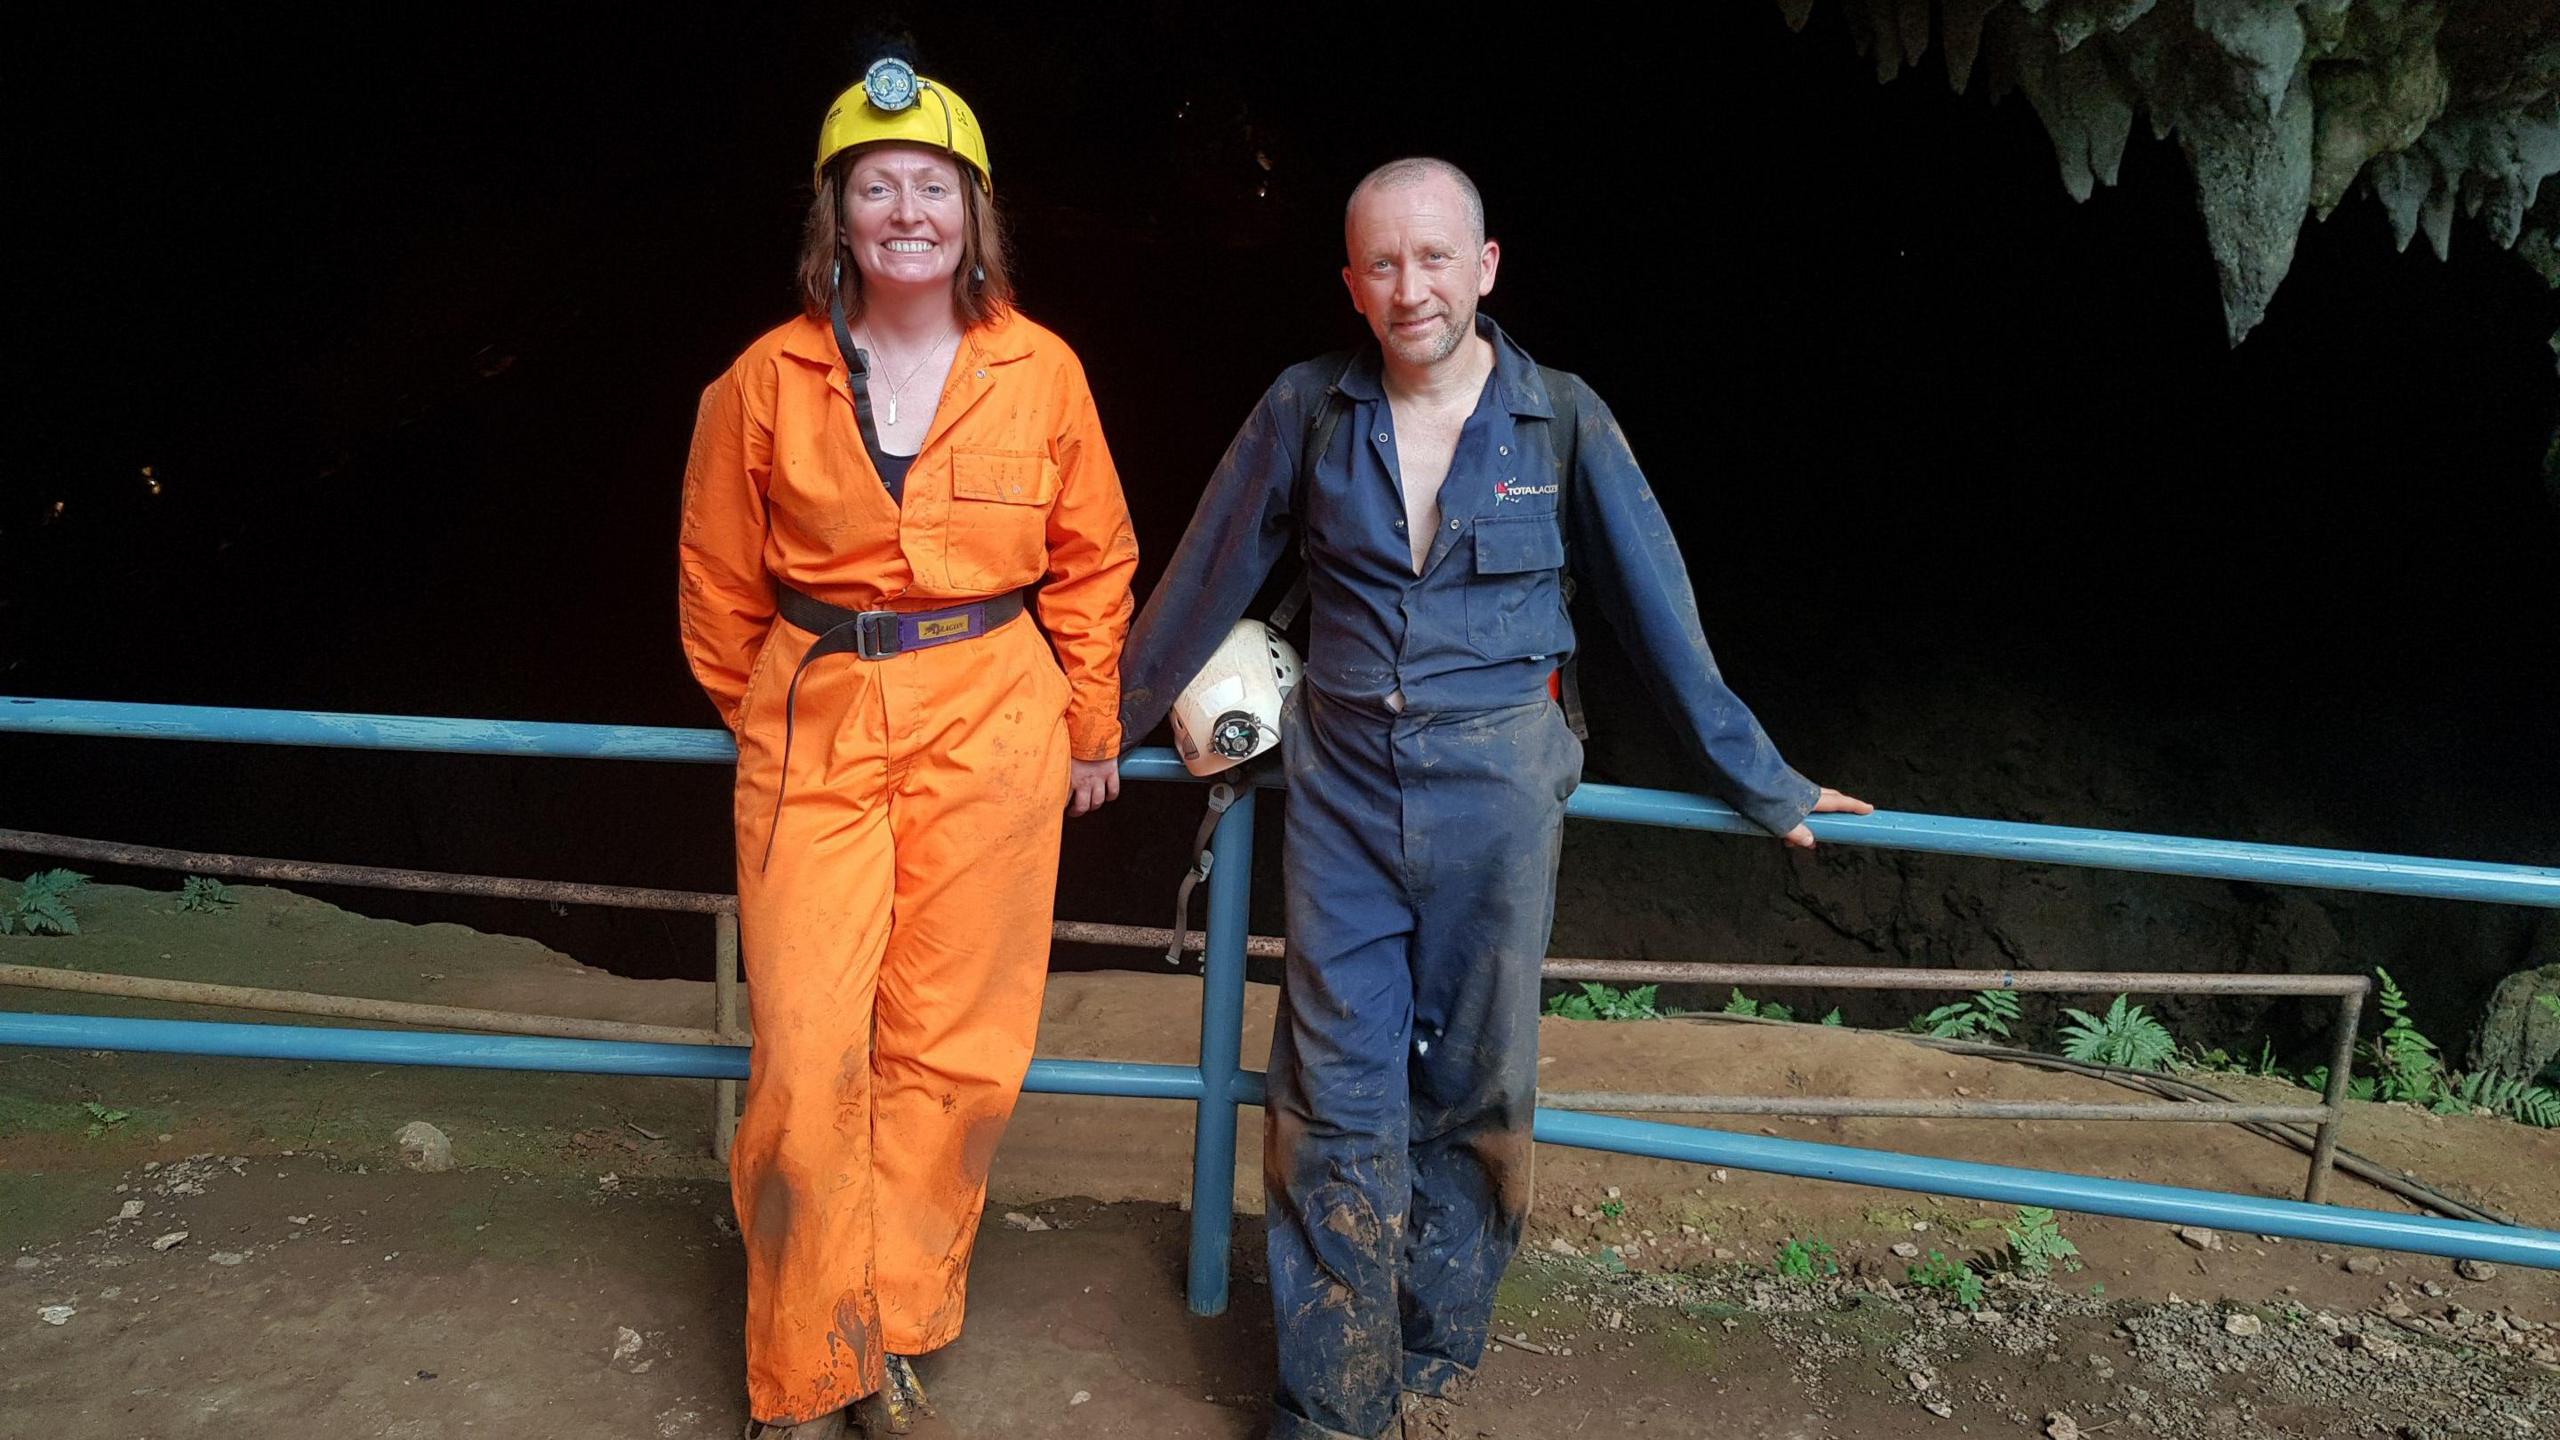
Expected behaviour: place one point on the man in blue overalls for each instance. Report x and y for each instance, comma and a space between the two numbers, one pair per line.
1428, 770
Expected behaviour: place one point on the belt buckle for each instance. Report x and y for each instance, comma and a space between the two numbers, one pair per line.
875, 634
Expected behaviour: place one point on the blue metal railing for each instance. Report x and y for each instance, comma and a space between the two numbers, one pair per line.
1218, 1086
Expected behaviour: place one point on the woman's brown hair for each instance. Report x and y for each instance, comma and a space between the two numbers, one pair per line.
981, 287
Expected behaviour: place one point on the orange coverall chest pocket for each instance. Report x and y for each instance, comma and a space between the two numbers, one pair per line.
998, 535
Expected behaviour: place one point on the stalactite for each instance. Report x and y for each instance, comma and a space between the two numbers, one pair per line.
2280, 106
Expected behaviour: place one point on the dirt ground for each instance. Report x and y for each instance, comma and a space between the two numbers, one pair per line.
577, 1273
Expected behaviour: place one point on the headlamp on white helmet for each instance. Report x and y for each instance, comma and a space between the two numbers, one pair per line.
1230, 712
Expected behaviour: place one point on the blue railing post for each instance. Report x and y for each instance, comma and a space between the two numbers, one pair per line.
1213, 1144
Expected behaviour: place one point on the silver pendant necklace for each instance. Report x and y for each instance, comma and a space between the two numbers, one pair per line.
889, 412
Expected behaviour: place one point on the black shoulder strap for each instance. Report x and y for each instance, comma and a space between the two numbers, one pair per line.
1322, 422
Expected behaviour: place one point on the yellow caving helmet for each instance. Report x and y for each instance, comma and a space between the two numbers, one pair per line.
893, 102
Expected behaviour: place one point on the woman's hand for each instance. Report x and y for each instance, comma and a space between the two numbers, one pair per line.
1831, 803
1091, 784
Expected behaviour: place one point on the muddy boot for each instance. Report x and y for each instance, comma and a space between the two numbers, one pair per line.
899, 1403
830, 1426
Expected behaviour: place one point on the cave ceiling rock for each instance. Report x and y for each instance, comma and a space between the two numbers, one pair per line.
2280, 106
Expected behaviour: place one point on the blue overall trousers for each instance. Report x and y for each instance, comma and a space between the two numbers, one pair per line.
1427, 774
1421, 863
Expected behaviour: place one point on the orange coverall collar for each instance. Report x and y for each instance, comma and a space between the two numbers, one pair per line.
1000, 341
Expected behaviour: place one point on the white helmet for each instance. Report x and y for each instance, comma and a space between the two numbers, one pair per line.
1230, 712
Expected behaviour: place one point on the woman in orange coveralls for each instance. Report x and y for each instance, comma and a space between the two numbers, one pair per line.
876, 491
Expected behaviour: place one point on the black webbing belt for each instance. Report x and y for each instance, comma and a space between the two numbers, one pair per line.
871, 635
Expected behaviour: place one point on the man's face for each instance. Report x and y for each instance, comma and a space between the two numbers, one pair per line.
1416, 268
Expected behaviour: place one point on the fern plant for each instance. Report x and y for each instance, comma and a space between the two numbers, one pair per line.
206, 894
1951, 1278
2519, 1100
2036, 1243
1742, 1004
1988, 1012
2124, 1036
1606, 1002
43, 905
2407, 1065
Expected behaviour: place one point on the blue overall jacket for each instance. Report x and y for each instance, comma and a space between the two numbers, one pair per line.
1484, 624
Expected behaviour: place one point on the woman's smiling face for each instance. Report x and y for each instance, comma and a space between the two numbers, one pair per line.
904, 211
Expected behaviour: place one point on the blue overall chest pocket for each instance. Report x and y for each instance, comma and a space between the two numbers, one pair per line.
1515, 598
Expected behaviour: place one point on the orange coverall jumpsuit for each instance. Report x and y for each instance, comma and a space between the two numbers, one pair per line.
896, 943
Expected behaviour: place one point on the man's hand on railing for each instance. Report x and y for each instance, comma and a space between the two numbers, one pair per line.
1831, 803
1092, 784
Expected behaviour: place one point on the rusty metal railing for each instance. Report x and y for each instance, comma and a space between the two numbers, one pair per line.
729, 1021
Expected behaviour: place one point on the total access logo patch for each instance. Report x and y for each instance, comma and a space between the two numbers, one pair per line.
1510, 492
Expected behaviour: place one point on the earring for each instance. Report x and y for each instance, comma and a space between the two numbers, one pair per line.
978, 275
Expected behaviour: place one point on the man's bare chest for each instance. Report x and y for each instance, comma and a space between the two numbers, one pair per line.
1426, 442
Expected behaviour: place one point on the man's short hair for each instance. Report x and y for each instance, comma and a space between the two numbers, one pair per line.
1413, 170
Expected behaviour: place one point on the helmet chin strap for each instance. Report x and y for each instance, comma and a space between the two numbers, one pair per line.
1222, 796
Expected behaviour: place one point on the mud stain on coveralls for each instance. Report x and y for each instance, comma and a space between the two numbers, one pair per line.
1509, 1158
1353, 1223
978, 1147
1282, 1134
775, 1205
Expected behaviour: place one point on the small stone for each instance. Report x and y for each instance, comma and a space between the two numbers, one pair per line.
2058, 1426
228, 1257
1964, 1090
130, 1210
1906, 1249
25, 1262
1562, 1246
608, 1182
1722, 1253
2364, 1264
1920, 1380
297, 1219
1079, 1398
56, 1314
2432, 1290
1613, 1193
2244, 1324
1020, 1221
2199, 1237
424, 1148
1720, 1177
1920, 1227
1939, 1408
2379, 1348
2474, 1269
172, 1238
